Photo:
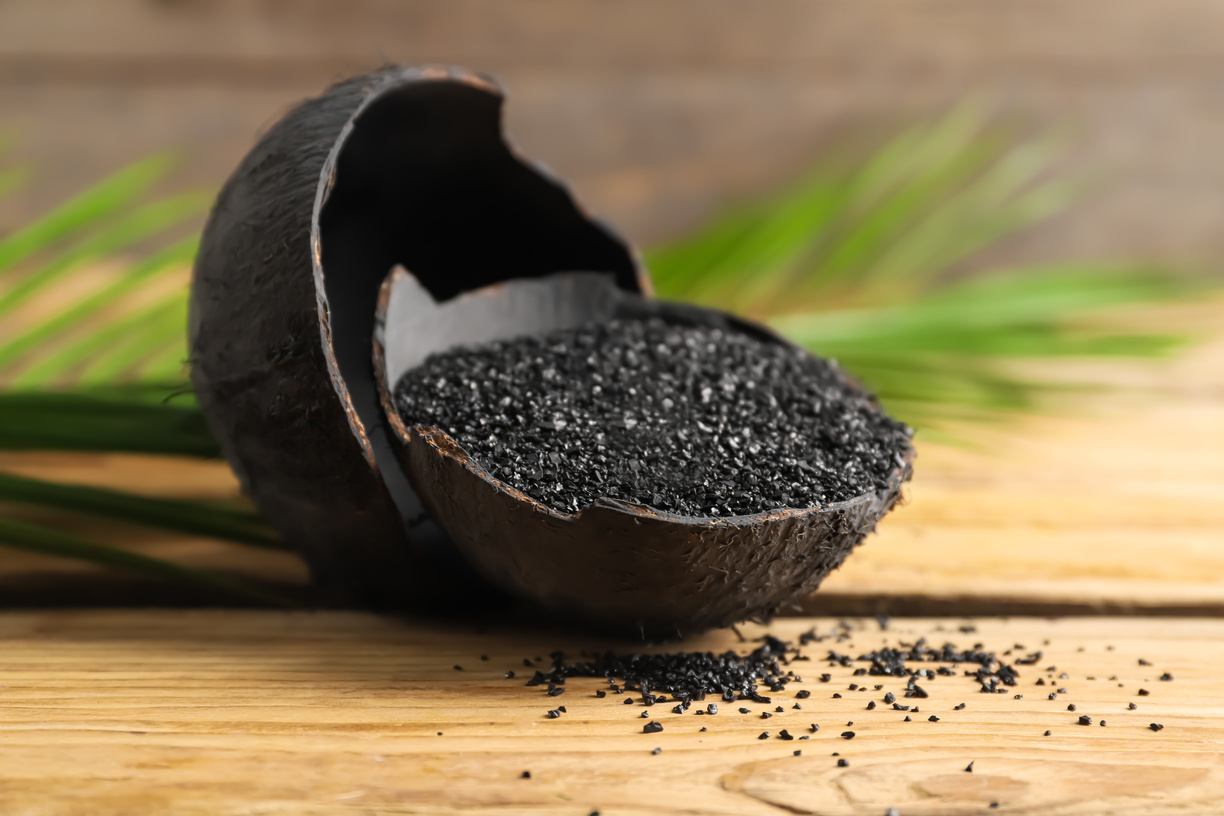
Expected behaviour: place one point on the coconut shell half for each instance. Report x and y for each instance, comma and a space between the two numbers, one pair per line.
621, 567
403, 166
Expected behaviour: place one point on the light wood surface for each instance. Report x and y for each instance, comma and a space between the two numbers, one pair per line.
1110, 503
228, 713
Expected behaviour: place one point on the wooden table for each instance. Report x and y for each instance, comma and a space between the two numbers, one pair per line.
1113, 507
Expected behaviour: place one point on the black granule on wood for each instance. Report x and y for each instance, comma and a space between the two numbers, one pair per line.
802, 694
745, 711
847, 735
899, 707
907, 719
824, 678
890, 697
798, 753
932, 718
871, 705
553, 714
600, 693
836, 696
1085, 720
765, 715
1071, 707
652, 728
958, 707
1048, 733
628, 701
645, 715
562, 709
779, 709
1155, 726
458, 668
1131, 706
841, 763
813, 728
554, 692
509, 675
703, 728
1143, 662
656, 751
969, 767
797, 707
1166, 676
785, 735
1102, 722
691, 421
712, 709
525, 775
764, 735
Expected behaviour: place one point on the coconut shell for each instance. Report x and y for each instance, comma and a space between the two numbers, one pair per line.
618, 566
403, 166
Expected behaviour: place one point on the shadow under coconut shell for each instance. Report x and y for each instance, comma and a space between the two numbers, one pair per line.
621, 567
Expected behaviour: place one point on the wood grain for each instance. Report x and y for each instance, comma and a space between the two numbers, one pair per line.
659, 115
328, 714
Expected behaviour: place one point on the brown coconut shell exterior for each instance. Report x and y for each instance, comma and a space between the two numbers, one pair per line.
261, 328
624, 568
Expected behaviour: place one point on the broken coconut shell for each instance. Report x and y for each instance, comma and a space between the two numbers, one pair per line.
623, 567
405, 165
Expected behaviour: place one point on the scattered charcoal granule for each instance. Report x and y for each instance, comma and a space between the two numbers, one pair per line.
1102, 723
562, 709
802, 694
765, 715
805, 736
907, 719
813, 728
1166, 676
850, 723
1085, 720
1017, 696
678, 709
656, 751
601, 693
1131, 706
525, 775
1155, 726
764, 735
458, 668
628, 701
1143, 692
994, 804
785, 735
797, 707
652, 727
847, 735
969, 767
703, 728
890, 697
745, 711
691, 421
841, 763
824, 678
1071, 707
779, 709
553, 714
555, 692
871, 705
645, 715
853, 686
509, 675
1062, 691
484, 657
712, 709
899, 707
836, 696
439, 733
1143, 662
798, 753
1048, 733
958, 707
526, 663
932, 718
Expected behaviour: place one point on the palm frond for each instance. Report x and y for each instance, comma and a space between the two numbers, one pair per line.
857, 261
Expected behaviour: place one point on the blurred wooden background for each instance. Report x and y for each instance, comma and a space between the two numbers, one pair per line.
657, 112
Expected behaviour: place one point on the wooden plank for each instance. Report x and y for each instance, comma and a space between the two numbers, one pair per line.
669, 112
1111, 505
272, 713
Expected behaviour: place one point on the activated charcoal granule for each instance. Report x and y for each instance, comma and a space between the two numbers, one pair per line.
689, 421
